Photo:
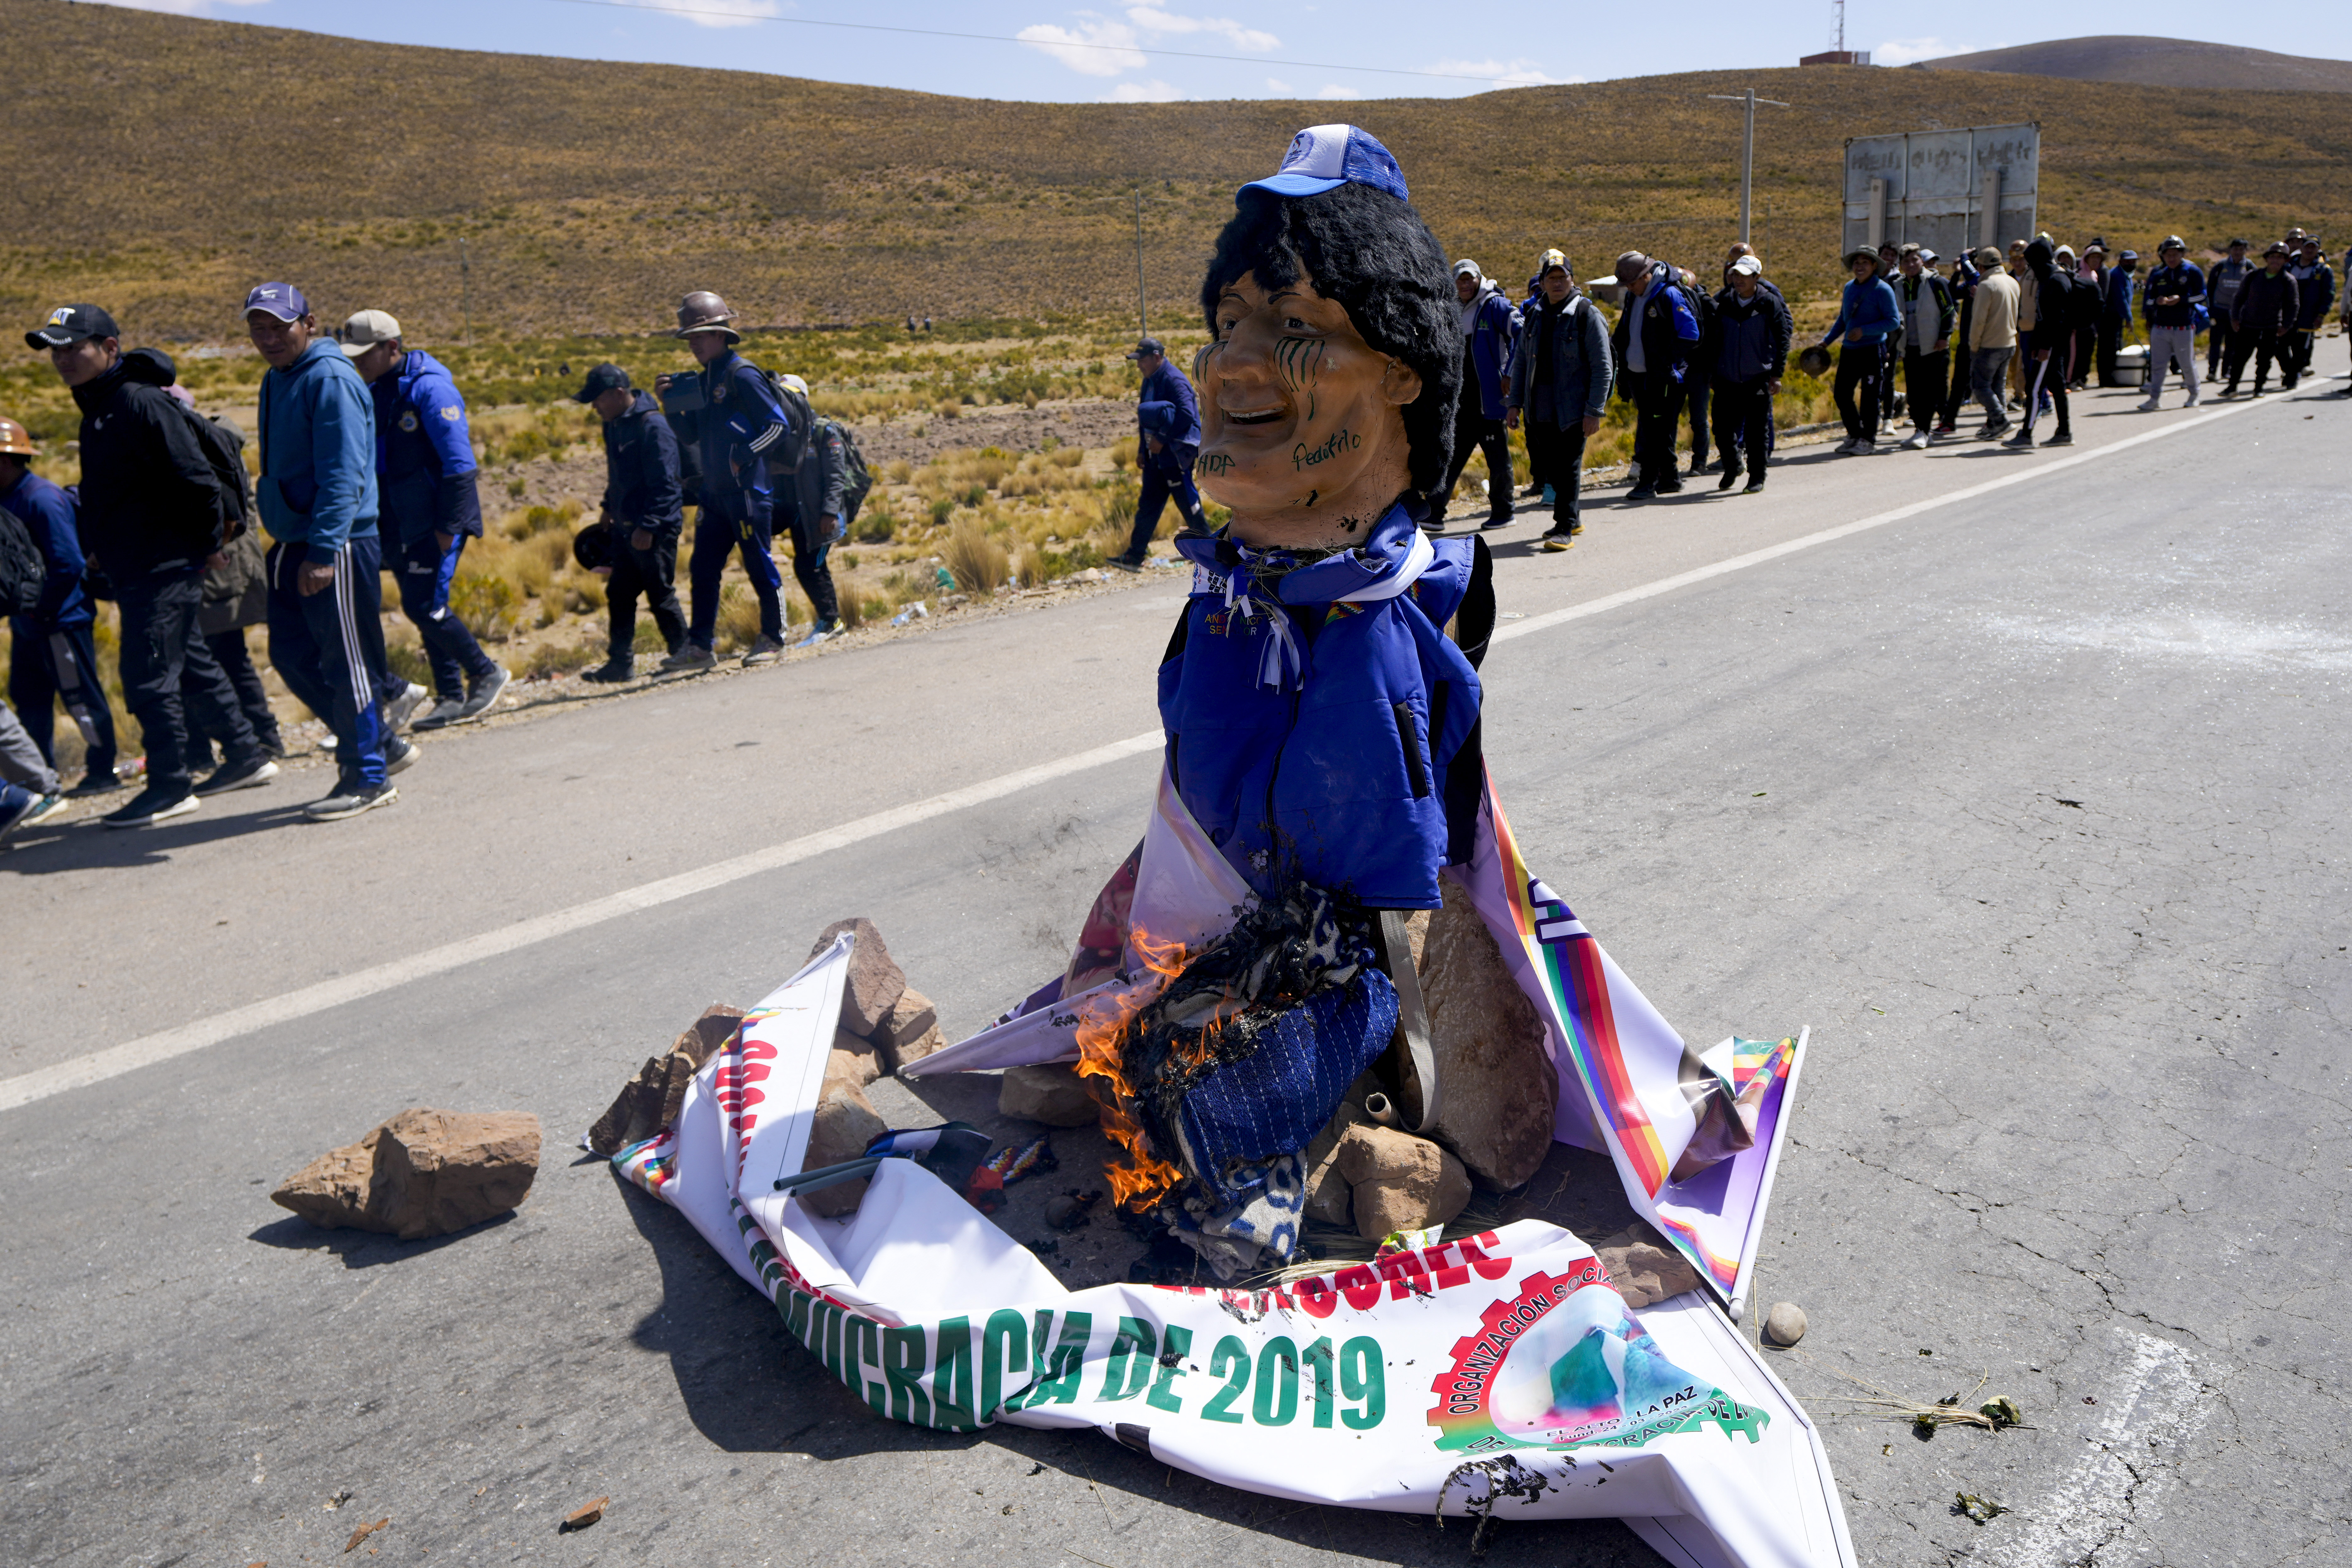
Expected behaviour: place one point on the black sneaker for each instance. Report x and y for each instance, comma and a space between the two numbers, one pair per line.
105, 783
1122, 564
483, 694
612, 672
399, 755
238, 776
350, 800
445, 712
1730, 477
1645, 490
1754, 485
2063, 439
150, 806
1557, 539
689, 659
2022, 438
1669, 487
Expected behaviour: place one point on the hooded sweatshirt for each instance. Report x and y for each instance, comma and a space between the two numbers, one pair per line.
150, 500
317, 483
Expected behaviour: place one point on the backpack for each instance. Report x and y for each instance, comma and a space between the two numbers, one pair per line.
224, 448
856, 478
784, 458
22, 573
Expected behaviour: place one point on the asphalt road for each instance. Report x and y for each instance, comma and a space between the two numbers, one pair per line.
2031, 804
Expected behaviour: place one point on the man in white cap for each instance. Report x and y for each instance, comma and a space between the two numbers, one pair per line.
1490, 330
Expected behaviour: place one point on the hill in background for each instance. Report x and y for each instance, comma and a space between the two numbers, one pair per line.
162, 165
2160, 62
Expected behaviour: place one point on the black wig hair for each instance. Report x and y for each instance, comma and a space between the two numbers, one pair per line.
1372, 254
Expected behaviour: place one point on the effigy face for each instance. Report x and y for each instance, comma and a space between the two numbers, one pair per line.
1302, 425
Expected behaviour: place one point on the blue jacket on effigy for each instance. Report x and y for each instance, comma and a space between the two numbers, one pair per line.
424, 453
1321, 725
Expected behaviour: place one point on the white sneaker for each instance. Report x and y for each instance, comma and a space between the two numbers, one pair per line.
398, 712
1916, 439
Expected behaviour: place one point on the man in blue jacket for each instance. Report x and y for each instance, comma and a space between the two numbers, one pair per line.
2171, 295
52, 657
1657, 334
1168, 442
744, 425
1490, 332
646, 512
2116, 292
2315, 291
1868, 315
317, 492
1752, 329
424, 472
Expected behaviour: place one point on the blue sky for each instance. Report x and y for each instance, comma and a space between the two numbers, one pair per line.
1276, 48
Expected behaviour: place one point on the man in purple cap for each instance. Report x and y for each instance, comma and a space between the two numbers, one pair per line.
154, 513
317, 492
1168, 437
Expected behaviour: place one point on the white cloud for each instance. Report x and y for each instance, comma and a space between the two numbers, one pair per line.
1143, 92
1335, 93
1516, 72
1903, 51
1275, 84
1153, 20
1094, 47
727, 13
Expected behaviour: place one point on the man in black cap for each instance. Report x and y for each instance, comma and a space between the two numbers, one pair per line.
153, 512
1168, 442
2261, 323
645, 512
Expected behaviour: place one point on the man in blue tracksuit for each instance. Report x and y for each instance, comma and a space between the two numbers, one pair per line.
1656, 338
1868, 315
1490, 334
53, 659
743, 425
425, 484
317, 492
1168, 442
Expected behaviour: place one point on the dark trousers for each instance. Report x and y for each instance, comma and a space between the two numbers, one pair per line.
653, 573
1924, 379
252, 697
1473, 433
1743, 423
2262, 348
2299, 345
1166, 473
1559, 456
813, 563
167, 669
732, 520
424, 572
1657, 412
328, 648
2217, 346
49, 669
1861, 368
2049, 378
1699, 389
2089, 341
1955, 396
1893, 349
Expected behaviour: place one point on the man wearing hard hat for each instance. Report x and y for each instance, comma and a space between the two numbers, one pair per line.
53, 659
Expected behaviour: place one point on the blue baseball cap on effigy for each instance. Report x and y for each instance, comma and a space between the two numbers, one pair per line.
1325, 157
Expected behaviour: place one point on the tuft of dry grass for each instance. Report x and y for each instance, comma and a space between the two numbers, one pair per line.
978, 559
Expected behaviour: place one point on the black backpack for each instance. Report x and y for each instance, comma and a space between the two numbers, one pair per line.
224, 448
22, 573
800, 421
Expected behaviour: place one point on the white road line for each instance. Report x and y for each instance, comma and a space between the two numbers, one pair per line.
2107, 1498
2017, 475
148, 1049
151, 1049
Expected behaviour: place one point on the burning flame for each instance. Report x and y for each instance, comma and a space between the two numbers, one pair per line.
1139, 1183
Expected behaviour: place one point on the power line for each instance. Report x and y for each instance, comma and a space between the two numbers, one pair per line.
1035, 43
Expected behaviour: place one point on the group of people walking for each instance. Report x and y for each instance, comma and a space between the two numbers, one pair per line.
364, 464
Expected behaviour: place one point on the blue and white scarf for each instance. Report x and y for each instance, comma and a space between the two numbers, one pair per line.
1257, 584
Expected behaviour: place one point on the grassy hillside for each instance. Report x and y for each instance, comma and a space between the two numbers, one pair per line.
161, 163
2160, 62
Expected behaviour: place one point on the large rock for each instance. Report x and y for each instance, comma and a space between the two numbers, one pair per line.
853, 1060
1644, 1270
1327, 1189
845, 1124
1497, 1086
424, 1173
876, 981
1053, 1094
910, 1032
1398, 1181
651, 1101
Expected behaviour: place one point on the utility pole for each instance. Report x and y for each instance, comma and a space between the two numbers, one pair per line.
1142, 314
1838, 7
1748, 159
465, 289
